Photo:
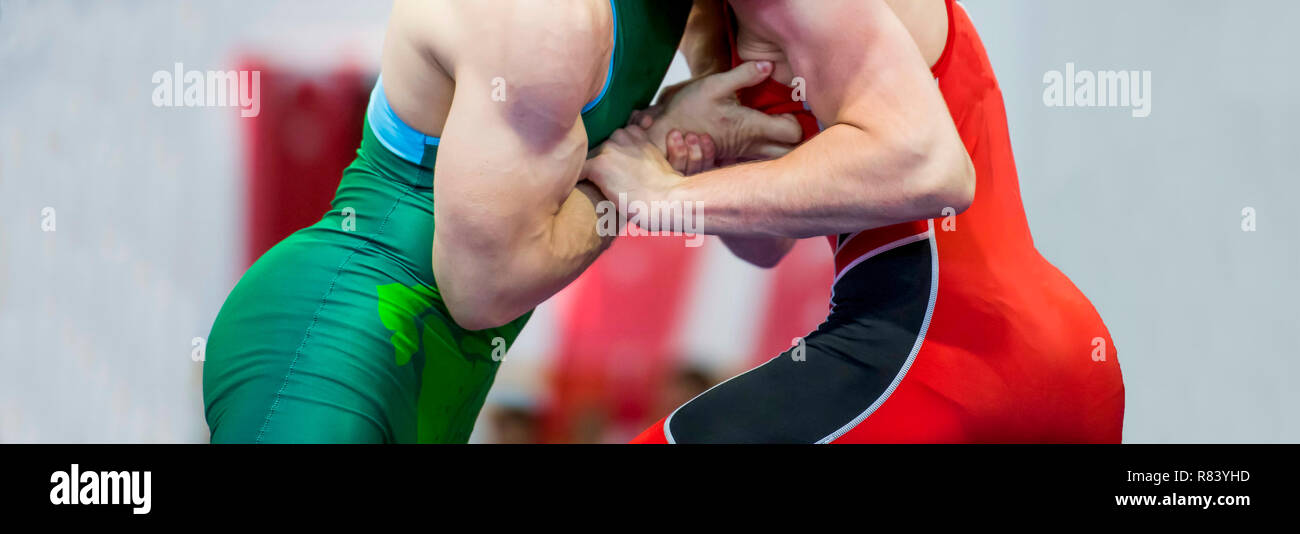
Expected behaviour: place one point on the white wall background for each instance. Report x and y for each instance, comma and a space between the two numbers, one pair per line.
96, 318
1145, 214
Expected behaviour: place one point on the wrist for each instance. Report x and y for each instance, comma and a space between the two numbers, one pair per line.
674, 188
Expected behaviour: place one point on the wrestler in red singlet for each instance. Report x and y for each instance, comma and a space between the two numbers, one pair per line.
950, 330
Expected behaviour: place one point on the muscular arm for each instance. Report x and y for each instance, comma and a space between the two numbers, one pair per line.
511, 229
889, 153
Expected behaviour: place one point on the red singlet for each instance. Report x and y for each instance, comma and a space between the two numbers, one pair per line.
953, 329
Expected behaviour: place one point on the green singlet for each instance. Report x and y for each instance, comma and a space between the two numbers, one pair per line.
338, 334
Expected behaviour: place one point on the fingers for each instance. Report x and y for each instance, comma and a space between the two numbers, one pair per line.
701, 154
677, 151
710, 152
771, 150
748, 74
782, 128
695, 154
629, 135
645, 118
642, 119
690, 153
620, 137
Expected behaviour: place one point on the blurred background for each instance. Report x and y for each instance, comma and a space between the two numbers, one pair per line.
157, 211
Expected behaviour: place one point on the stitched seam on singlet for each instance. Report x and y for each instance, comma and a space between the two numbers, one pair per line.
900, 242
316, 315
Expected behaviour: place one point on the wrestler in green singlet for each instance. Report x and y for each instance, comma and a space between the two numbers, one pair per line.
339, 333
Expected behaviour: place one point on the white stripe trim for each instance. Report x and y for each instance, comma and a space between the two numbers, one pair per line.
880, 250
841, 244
875, 252
916, 347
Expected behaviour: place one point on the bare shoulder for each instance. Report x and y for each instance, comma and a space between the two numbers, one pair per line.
525, 39
927, 22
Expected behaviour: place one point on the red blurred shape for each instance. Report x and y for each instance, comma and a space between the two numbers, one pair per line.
297, 147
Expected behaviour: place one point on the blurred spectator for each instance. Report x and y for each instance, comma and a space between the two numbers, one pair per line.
685, 384
512, 419
514, 425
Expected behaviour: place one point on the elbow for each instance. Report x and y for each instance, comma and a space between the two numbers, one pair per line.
484, 320
959, 190
477, 311
764, 262
771, 254
475, 299
761, 252
946, 186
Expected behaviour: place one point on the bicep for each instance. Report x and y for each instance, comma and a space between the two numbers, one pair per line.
510, 155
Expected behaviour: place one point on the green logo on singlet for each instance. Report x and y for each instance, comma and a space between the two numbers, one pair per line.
418, 327
402, 308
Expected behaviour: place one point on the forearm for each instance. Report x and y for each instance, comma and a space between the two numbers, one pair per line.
843, 180
572, 242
